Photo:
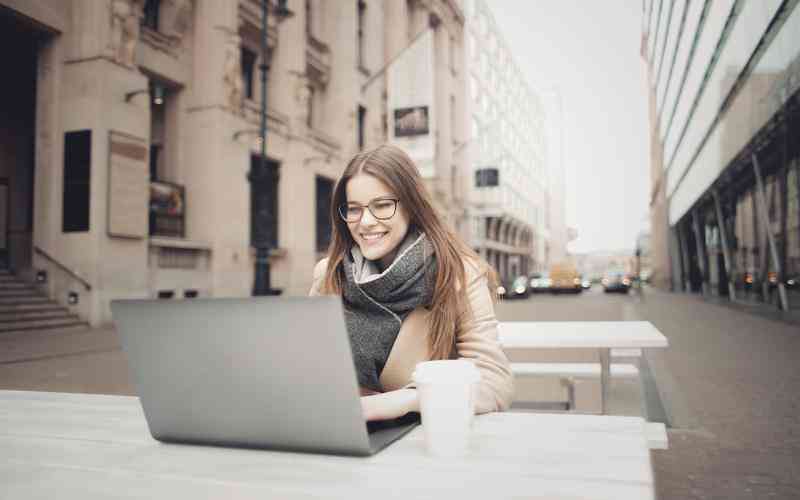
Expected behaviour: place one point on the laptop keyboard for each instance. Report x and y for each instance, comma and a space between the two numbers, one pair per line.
377, 425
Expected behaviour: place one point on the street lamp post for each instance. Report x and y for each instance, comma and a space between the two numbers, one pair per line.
262, 176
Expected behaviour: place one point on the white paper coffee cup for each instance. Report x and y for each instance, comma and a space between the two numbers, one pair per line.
446, 391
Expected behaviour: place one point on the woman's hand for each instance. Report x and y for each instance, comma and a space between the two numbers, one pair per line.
389, 405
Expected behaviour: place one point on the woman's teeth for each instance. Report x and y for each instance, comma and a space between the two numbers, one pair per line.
375, 236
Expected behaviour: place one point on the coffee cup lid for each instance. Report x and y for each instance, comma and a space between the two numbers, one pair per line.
446, 371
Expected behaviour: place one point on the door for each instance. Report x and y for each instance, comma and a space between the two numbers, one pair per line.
3, 223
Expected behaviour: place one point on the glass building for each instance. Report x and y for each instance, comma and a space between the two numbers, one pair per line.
725, 206
510, 190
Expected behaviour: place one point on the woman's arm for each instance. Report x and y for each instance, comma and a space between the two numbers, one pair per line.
389, 405
477, 340
318, 277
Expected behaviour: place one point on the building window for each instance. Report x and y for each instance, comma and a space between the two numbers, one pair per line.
77, 177
158, 131
453, 122
150, 14
362, 123
453, 56
312, 95
155, 156
362, 7
309, 18
248, 70
324, 197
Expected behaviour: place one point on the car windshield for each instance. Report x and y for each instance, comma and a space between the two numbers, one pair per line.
520, 281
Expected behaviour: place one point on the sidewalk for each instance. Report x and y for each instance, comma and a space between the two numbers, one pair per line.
87, 361
729, 382
768, 311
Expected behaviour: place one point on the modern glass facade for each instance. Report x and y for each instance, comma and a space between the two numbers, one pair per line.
508, 152
724, 77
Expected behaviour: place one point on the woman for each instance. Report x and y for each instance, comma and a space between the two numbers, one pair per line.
412, 290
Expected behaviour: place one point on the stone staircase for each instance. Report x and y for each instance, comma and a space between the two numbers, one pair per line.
22, 308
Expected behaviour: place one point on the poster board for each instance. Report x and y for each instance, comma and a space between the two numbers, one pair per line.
128, 186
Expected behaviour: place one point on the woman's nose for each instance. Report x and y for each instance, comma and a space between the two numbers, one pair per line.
367, 219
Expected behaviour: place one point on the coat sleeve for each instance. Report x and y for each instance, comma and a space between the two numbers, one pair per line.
319, 276
478, 340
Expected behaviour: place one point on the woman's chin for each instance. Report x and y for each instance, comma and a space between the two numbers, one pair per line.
373, 253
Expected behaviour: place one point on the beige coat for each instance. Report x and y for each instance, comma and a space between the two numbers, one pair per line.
477, 340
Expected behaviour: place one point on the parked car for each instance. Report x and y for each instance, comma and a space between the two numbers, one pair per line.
539, 283
615, 280
565, 278
586, 283
518, 288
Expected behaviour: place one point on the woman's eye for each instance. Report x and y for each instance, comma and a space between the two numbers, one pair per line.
383, 205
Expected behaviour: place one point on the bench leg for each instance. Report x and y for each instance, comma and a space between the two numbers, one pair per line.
605, 375
569, 382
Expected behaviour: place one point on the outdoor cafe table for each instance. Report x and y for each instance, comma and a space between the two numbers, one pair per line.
84, 446
596, 335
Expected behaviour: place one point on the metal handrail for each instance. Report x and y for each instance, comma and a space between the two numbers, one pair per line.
69, 271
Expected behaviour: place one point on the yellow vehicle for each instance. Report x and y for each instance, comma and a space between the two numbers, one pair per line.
565, 278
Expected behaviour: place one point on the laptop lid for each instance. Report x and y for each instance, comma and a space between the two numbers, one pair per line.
264, 372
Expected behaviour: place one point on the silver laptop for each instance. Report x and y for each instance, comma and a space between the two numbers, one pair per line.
265, 372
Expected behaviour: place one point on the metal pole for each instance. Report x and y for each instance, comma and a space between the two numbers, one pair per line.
261, 283
686, 264
725, 249
699, 240
765, 220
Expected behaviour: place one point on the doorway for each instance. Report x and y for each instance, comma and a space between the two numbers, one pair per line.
20, 39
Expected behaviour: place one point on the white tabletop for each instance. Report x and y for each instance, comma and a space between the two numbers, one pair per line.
580, 334
65, 446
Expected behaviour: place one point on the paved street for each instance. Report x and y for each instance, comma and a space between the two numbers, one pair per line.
728, 383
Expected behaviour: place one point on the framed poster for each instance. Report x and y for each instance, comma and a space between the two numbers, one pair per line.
409, 122
487, 177
167, 209
128, 178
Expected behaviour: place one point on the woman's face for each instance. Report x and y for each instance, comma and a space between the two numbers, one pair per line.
378, 239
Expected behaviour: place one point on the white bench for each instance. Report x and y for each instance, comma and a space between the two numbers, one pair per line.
587, 370
656, 436
656, 431
567, 373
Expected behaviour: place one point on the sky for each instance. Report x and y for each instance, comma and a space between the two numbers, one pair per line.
588, 52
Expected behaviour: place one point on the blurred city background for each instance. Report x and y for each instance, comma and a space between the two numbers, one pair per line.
177, 149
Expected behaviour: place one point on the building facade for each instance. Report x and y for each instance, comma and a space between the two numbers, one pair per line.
510, 184
725, 199
134, 127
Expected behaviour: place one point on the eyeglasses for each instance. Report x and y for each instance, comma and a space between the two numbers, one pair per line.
381, 209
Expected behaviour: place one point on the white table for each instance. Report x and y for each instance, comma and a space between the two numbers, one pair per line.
57, 445
599, 335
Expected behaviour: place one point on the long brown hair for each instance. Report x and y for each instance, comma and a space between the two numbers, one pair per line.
393, 167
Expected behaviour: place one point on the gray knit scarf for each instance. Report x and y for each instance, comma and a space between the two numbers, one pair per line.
376, 303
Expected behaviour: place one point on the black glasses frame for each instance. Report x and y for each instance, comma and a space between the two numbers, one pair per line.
345, 206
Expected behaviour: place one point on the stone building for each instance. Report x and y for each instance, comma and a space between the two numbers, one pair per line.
510, 182
133, 125
724, 84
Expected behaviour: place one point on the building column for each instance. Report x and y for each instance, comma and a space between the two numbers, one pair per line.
699, 240
726, 252
762, 210
685, 260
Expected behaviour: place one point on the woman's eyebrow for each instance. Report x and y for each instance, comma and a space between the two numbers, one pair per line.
377, 198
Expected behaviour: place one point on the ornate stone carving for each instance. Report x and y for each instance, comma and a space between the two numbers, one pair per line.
232, 74
125, 19
176, 17
302, 95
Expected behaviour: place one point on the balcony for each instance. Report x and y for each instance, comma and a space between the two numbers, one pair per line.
318, 60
